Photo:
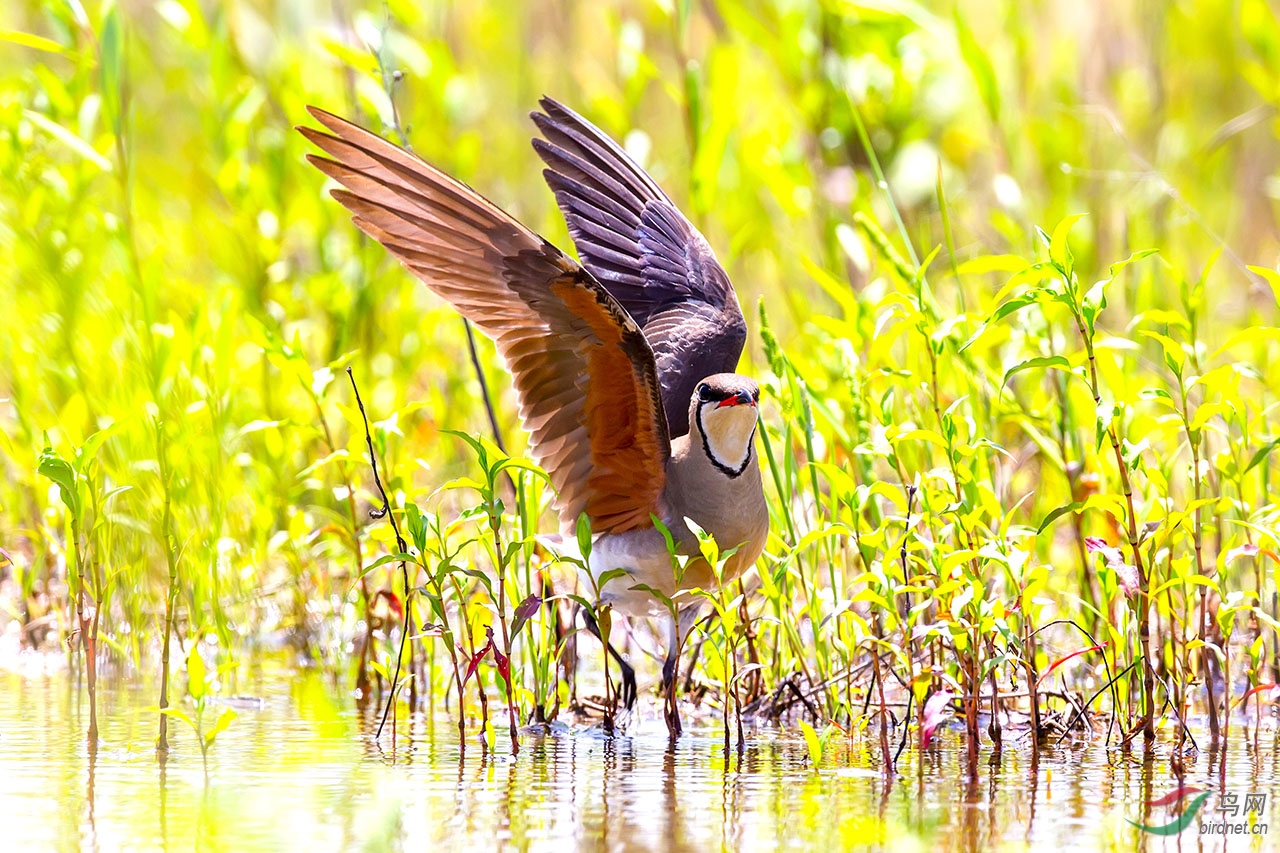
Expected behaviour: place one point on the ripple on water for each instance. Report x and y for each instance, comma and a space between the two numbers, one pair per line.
296, 770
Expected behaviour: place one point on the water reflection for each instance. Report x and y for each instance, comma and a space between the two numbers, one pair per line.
302, 770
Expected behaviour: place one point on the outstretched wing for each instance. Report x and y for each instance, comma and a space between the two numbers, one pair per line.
633, 239
584, 374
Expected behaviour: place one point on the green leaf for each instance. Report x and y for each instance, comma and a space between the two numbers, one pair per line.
1015, 304
476, 445
519, 464
381, 561
1052, 361
1074, 506
111, 50
813, 742
1175, 358
1116, 268
580, 601
713, 662
584, 538
706, 542
1262, 453
1093, 303
329, 459
993, 263
1106, 414
667, 601
1271, 277
1208, 411
33, 41
1160, 317
1059, 251
417, 524
463, 483
195, 672
1096, 299
609, 575
480, 575
1251, 335
224, 721
67, 138
59, 470
814, 536
86, 452
1189, 580
178, 714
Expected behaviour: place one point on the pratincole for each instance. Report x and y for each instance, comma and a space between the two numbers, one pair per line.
622, 363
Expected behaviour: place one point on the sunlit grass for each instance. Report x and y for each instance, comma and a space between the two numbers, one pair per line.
988, 445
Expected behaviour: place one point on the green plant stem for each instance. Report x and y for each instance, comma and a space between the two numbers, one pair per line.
1144, 586
171, 560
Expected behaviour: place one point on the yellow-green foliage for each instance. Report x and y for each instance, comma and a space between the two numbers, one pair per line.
172, 272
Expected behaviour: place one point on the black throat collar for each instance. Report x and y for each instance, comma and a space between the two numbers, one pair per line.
731, 473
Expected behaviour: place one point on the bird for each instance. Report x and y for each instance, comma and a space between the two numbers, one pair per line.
622, 361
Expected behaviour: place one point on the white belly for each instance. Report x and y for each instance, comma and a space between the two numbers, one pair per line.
642, 555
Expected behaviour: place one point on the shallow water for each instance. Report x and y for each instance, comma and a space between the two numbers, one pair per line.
299, 770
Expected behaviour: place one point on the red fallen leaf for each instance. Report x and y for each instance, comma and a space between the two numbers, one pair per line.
504, 665
476, 658
1060, 661
1242, 551
500, 660
524, 612
935, 712
393, 601
1127, 574
1097, 543
1176, 794
1253, 690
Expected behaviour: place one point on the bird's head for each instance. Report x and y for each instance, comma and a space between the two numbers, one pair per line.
724, 413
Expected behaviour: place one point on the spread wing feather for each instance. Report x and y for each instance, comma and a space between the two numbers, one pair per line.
584, 374
632, 237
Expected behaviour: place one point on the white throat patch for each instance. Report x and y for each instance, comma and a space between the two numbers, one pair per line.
726, 435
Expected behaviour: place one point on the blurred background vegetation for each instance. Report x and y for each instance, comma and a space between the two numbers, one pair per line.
176, 283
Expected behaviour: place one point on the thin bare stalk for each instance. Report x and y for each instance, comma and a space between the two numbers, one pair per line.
385, 511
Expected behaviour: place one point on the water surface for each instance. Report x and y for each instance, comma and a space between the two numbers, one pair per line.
300, 770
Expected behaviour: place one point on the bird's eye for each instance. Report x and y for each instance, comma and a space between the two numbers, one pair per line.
704, 392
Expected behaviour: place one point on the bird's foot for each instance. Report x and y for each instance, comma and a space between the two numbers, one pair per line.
629, 692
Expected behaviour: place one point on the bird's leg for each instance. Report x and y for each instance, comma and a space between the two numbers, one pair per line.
628, 672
